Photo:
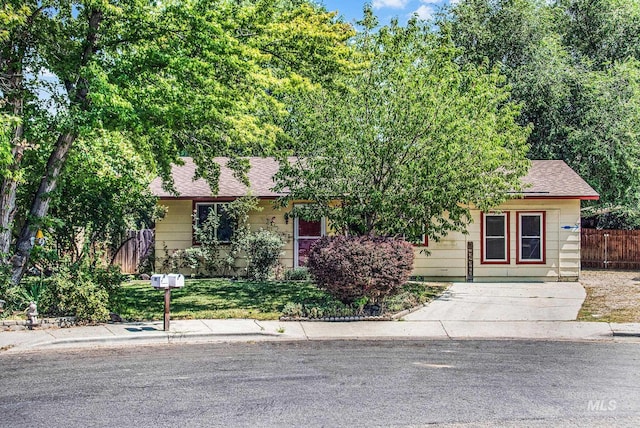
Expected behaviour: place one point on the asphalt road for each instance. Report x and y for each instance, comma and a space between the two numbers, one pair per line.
332, 384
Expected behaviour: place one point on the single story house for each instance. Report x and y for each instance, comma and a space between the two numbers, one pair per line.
535, 236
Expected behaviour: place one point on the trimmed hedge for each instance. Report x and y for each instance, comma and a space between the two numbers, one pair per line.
351, 268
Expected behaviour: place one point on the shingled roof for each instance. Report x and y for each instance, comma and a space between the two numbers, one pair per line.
546, 179
555, 179
260, 177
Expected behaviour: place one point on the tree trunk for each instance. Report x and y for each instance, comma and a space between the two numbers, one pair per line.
8, 193
40, 205
77, 91
10, 181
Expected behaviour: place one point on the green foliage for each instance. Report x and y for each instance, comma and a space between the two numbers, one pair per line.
224, 66
297, 274
80, 289
605, 31
17, 298
330, 308
193, 258
211, 257
5, 274
156, 79
263, 249
223, 298
33, 292
410, 143
574, 67
352, 268
411, 295
6, 123
7, 293
620, 219
103, 193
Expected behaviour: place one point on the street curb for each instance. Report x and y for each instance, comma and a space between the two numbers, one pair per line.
83, 343
156, 338
241, 333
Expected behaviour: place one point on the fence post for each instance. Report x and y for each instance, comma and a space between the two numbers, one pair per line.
606, 250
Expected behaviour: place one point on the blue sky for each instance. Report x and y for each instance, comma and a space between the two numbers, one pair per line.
351, 10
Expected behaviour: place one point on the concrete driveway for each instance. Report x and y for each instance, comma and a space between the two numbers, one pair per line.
542, 301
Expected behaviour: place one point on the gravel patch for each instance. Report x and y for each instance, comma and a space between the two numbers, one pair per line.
612, 296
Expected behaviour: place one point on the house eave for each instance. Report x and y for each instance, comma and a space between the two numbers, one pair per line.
210, 198
582, 198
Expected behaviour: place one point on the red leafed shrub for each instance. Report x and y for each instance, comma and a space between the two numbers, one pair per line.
353, 267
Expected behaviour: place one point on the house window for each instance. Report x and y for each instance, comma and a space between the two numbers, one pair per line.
224, 231
531, 237
495, 238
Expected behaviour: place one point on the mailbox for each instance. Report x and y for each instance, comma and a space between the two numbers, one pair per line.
176, 280
160, 281
166, 283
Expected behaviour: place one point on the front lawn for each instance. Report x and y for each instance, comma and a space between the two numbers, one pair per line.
223, 298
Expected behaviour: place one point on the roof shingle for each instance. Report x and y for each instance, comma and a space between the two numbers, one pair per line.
554, 178
546, 179
260, 176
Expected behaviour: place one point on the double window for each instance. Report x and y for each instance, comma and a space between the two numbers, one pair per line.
224, 229
530, 238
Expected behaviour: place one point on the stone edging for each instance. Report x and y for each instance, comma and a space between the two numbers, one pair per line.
16, 325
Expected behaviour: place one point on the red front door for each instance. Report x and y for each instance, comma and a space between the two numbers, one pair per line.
306, 233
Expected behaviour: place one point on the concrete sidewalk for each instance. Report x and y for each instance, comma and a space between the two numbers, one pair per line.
194, 331
537, 311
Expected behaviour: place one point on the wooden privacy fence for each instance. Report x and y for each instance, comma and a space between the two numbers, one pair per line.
133, 250
610, 249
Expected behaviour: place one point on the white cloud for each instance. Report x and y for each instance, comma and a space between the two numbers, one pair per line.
394, 4
424, 12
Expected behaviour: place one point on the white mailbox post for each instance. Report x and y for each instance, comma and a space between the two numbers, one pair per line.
166, 283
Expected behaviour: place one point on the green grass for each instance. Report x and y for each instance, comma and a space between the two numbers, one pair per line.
223, 298
214, 299
415, 293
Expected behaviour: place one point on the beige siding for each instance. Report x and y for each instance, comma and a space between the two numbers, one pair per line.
175, 230
446, 259
562, 261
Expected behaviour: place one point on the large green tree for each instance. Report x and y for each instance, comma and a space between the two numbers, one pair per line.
409, 144
573, 65
204, 77
103, 192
